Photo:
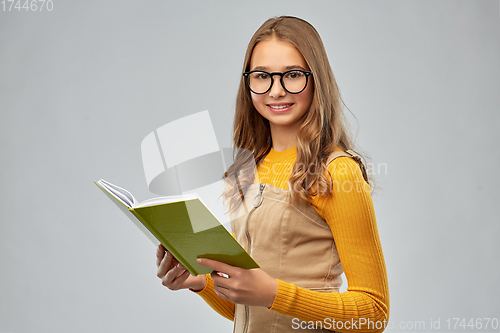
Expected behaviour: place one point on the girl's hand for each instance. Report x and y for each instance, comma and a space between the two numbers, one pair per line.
173, 275
242, 286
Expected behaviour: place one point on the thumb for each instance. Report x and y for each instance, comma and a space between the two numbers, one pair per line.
216, 265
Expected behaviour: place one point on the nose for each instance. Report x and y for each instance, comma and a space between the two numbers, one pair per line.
277, 89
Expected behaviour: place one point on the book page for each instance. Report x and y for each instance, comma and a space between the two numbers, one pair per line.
164, 200
120, 193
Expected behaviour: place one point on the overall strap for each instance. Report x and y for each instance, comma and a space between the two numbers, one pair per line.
351, 154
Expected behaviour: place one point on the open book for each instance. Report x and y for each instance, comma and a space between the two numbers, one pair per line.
185, 227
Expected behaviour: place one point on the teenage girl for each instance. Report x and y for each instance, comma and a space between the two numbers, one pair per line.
311, 215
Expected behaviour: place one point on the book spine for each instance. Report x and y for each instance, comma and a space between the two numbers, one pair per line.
165, 243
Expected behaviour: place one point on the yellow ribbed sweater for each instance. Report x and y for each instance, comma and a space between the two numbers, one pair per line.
351, 217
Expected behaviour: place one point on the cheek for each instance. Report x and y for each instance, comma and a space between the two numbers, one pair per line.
258, 101
256, 98
306, 97
310, 93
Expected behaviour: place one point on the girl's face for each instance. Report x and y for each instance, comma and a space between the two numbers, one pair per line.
283, 110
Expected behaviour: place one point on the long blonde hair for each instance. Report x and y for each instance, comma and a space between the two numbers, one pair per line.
323, 127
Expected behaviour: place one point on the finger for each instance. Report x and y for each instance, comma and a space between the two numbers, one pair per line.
160, 253
222, 288
165, 265
162, 247
180, 269
221, 294
170, 279
176, 270
177, 283
160, 250
222, 283
216, 265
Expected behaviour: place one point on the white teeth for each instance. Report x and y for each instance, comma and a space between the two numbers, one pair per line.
278, 107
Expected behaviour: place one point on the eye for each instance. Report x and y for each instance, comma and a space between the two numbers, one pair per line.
261, 76
293, 75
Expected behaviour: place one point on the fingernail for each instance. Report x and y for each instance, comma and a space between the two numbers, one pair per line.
198, 261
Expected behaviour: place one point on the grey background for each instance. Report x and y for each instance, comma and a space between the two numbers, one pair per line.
81, 86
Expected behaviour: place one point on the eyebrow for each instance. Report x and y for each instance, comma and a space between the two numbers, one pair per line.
287, 68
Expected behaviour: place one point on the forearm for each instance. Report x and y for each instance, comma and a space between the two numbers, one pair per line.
361, 311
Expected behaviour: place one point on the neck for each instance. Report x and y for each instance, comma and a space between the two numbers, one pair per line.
284, 137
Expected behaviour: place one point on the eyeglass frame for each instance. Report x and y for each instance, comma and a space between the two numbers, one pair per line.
247, 76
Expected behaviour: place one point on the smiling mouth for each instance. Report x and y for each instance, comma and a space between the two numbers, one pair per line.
280, 107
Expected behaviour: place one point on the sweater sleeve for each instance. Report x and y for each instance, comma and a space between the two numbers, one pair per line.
222, 307
349, 212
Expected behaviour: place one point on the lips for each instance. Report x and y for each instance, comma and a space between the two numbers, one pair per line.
280, 107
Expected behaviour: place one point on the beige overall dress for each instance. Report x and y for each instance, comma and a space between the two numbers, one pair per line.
291, 243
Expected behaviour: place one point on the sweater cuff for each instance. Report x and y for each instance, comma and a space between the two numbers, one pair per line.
224, 308
284, 297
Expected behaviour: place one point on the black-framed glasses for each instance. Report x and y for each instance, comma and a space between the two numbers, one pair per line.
293, 81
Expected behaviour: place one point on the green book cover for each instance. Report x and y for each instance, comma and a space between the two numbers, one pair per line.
185, 227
